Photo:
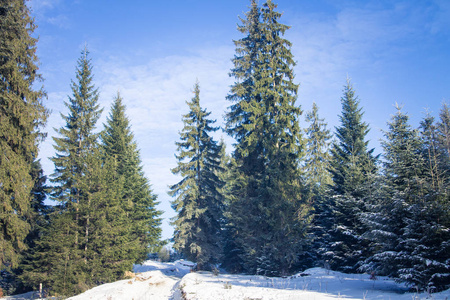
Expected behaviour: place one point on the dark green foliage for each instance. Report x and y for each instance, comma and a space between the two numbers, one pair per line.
67, 265
424, 260
55, 260
39, 216
39, 219
266, 212
89, 239
137, 199
353, 169
21, 117
199, 202
106, 241
233, 256
61, 255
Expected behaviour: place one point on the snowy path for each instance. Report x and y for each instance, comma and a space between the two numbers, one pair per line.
152, 285
173, 281
153, 281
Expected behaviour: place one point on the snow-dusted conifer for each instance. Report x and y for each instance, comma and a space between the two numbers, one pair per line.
409, 223
353, 169
388, 210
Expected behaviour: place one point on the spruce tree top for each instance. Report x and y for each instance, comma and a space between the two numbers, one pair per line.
403, 161
77, 137
353, 130
84, 111
264, 94
352, 161
117, 136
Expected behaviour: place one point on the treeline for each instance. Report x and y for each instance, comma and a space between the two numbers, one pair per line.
289, 198
105, 218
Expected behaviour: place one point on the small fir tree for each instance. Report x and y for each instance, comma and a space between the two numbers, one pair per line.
317, 179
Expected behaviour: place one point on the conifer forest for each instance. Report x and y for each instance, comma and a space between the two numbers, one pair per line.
277, 201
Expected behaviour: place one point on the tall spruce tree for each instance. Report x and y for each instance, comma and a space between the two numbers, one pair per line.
78, 138
138, 200
22, 115
65, 257
353, 169
266, 209
77, 142
198, 203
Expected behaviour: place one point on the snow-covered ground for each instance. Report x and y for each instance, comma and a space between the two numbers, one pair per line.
317, 283
174, 281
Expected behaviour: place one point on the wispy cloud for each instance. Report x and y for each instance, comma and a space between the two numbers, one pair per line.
39, 6
43, 8
61, 21
367, 41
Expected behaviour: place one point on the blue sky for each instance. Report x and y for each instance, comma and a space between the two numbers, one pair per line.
153, 52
